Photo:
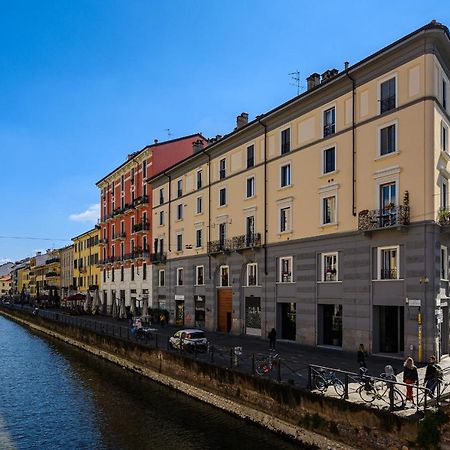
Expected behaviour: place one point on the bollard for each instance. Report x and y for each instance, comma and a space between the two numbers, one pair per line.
278, 361
346, 387
391, 396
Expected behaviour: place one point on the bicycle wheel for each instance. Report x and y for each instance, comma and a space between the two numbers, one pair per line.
366, 393
262, 368
399, 399
320, 383
339, 387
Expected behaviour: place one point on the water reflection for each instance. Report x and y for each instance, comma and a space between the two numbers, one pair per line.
54, 396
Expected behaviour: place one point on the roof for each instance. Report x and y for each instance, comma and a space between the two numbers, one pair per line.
5, 269
96, 228
429, 26
156, 144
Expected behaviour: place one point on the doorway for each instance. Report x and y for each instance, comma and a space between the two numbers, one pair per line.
179, 312
391, 327
224, 308
331, 325
288, 319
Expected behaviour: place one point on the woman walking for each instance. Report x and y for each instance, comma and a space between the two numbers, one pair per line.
410, 377
361, 356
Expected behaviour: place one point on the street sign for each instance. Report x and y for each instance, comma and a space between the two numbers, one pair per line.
412, 302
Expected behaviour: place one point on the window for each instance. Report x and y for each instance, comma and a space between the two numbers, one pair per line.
122, 182
285, 269
329, 122
285, 219
388, 195
132, 175
329, 160
161, 217
179, 242
329, 267
113, 275
250, 187
224, 273
180, 211
387, 140
444, 194
132, 225
179, 276
198, 238
286, 141
222, 169
222, 234
132, 272
222, 197
252, 274
199, 205
144, 271
250, 156
250, 237
444, 137
179, 188
199, 275
387, 95
161, 196
329, 210
444, 263
199, 179
144, 170
285, 175
444, 94
388, 263
122, 270
162, 277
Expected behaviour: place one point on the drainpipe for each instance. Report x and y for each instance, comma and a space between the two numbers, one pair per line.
209, 209
168, 213
353, 138
265, 194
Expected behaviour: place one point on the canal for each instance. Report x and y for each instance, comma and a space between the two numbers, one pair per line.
54, 396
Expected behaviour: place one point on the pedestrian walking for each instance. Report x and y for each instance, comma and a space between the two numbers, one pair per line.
272, 338
433, 375
361, 355
410, 377
162, 319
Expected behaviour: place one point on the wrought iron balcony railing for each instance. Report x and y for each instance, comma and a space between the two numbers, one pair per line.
119, 236
378, 219
158, 258
52, 260
329, 129
142, 226
386, 104
236, 243
388, 274
51, 274
443, 216
103, 241
140, 201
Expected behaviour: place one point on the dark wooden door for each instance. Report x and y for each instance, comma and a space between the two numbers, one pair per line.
224, 308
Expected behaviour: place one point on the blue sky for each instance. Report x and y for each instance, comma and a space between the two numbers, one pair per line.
83, 83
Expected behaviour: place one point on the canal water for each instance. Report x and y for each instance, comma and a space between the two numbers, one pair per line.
54, 396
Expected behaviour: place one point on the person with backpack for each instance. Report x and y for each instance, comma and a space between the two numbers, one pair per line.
433, 376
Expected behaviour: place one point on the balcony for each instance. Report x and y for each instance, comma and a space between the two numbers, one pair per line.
141, 227
141, 201
119, 236
82, 269
52, 260
103, 241
128, 208
158, 258
237, 243
380, 219
443, 217
51, 274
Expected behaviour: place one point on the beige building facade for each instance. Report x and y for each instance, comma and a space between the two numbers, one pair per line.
327, 217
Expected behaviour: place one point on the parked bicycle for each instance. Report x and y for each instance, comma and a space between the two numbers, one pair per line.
326, 378
372, 389
265, 366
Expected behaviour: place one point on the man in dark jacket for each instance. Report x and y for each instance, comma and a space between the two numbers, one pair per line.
431, 379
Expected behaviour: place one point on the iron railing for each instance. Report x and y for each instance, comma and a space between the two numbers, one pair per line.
158, 258
236, 243
377, 219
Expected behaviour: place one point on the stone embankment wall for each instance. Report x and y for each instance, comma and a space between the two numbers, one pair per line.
312, 419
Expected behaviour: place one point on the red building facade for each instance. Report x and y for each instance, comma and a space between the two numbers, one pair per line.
125, 215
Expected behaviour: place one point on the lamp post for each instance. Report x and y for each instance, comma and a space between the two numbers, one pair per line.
423, 281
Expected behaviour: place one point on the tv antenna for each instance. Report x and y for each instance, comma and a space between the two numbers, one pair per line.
295, 77
167, 130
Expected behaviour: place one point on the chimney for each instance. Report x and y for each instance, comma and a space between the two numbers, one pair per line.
346, 64
241, 120
197, 146
38, 253
313, 80
155, 141
329, 74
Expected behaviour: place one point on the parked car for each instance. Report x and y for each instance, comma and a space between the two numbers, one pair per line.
190, 339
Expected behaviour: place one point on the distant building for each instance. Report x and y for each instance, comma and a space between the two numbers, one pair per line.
5, 285
67, 277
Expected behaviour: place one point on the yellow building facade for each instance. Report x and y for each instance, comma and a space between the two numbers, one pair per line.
86, 251
321, 217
